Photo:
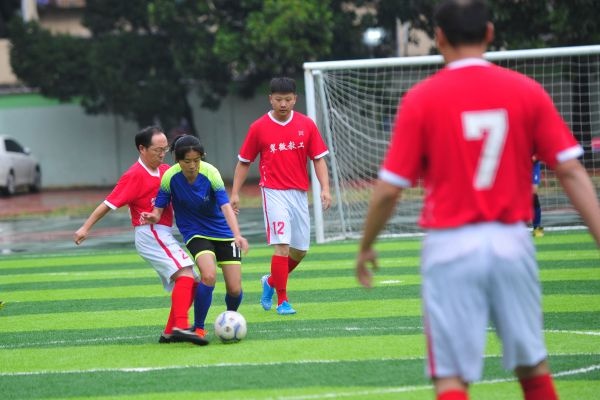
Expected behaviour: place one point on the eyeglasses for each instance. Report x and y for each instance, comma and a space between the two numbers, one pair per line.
160, 150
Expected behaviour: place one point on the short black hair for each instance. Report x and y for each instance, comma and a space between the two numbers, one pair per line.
283, 85
462, 21
144, 136
186, 143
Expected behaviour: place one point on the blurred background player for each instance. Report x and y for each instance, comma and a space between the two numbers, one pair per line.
285, 140
469, 131
538, 230
207, 222
155, 243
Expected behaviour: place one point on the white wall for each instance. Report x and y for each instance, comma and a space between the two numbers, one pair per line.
74, 149
80, 150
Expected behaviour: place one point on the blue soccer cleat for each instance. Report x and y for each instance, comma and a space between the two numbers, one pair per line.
285, 308
266, 300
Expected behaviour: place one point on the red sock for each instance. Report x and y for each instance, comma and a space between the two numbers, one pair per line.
171, 320
292, 264
181, 299
539, 388
279, 277
453, 394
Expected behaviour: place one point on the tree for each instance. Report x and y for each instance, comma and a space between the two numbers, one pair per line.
8, 9
144, 57
520, 24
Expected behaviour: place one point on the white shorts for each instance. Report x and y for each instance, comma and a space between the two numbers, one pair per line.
156, 244
286, 216
473, 276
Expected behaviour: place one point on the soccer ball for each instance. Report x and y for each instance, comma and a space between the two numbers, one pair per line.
230, 327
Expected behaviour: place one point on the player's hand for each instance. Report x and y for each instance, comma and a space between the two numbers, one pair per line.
241, 243
80, 235
325, 199
148, 218
364, 275
234, 201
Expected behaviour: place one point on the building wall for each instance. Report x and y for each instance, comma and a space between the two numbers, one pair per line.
6, 75
79, 150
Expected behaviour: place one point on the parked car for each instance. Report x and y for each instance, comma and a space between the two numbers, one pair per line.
18, 168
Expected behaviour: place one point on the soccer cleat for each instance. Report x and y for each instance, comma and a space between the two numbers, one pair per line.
266, 300
200, 332
285, 308
165, 338
185, 335
538, 231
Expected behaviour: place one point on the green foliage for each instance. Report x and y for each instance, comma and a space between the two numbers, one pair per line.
8, 10
144, 57
520, 24
57, 65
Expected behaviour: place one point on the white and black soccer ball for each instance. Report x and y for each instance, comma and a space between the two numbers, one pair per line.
230, 327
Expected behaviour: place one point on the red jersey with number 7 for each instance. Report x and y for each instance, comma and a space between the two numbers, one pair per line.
284, 149
469, 132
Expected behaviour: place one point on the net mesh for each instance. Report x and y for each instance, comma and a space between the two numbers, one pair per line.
355, 110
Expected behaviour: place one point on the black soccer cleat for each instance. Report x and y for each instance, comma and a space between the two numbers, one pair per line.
185, 335
165, 338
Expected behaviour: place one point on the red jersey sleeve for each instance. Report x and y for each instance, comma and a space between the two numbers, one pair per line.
553, 140
251, 146
404, 159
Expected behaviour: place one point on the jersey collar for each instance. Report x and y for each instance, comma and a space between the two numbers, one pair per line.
155, 172
280, 122
468, 62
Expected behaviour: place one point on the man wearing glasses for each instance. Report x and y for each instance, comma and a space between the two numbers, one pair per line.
155, 243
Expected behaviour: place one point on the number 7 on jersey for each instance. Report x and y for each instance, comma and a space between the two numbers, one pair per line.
490, 126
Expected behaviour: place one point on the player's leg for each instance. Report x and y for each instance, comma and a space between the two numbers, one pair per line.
295, 257
174, 266
455, 308
279, 278
278, 228
229, 260
203, 251
299, 232
538, 230
181, 300
300, 229
517, 312
536, 382
166, 337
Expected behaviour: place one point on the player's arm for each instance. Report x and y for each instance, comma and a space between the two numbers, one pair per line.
152, 217
82, 233
231, 219
323, 177
381, 206
577, 184
239, 177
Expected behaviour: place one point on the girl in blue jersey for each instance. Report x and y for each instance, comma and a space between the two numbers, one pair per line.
207, 223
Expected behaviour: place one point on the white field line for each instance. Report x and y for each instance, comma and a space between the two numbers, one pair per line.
117, 339
176, 367
407, 389
264, 364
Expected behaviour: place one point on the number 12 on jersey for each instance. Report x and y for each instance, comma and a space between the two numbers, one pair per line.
490, 126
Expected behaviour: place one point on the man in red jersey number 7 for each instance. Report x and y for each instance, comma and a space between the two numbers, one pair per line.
469, 131
285, 140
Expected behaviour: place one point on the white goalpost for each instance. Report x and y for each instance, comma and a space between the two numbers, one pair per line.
354, 104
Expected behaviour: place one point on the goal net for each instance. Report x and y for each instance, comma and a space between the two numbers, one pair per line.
354, 104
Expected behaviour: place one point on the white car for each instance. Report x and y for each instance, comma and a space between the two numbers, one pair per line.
18, 168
